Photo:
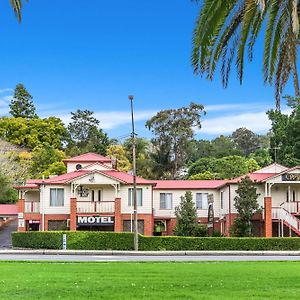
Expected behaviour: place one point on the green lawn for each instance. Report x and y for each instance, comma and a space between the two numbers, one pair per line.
211, 280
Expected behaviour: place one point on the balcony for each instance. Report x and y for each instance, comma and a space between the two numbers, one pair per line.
96, 207
32, 207
293, 206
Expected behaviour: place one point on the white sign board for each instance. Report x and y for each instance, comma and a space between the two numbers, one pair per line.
21, 223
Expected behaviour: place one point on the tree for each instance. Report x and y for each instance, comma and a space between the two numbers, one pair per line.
44, 161
226, 167
262, 157
285, 137
144, 162
173, 130
118, 152
186, 216
225, 29
7, 193
21, 105
246, 205
246, 140
85, 134
207, 175
224, 146
31, 133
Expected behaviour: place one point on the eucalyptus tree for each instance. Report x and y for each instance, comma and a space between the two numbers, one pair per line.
226, 31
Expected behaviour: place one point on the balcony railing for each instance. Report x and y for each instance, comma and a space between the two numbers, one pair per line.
96, 207
292, 207
32, 207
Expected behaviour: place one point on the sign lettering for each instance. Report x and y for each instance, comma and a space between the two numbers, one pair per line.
290, 177
95, 220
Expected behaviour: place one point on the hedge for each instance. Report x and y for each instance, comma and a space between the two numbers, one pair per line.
84, 240
89, 240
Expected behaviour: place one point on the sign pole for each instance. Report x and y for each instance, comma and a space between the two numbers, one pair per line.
135, 217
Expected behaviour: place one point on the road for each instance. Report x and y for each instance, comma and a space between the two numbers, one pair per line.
130, 258
5, 234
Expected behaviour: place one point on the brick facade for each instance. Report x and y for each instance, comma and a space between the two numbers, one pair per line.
268, 216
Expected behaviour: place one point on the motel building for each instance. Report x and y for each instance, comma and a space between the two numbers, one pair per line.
92, 195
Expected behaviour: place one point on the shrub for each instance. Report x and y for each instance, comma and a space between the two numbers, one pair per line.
80, 240
88, 240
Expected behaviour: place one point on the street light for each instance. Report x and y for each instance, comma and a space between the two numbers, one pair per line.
135, 220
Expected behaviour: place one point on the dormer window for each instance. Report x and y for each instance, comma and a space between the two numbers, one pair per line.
78, 167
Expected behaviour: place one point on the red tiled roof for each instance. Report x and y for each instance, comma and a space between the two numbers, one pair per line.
125, 177
8, 209
189, 184
61, 179
88, 157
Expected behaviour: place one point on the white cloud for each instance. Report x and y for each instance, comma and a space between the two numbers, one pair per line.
255, 121
108, 119
5, 90
234, 106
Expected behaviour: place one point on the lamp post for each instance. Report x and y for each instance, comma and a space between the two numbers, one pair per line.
135, 220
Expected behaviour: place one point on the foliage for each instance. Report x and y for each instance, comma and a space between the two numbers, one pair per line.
118, 152
186, 216
173, 130
32, 133
7, 193
17, 7
224, 146
207, 175
124, 241
15, 165
144, 163
221, 168
252, 165
246, 140
262, 157
285, 136
46, 160
224, 30
21, 105
246, 205
85, 134
75, 240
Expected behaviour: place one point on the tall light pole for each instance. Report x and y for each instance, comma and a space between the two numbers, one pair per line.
135, 219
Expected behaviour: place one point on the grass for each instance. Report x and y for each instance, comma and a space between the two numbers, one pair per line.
206, 280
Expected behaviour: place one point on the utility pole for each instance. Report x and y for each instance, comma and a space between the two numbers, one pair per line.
135, 217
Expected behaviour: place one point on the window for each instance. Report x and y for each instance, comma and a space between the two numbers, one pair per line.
201, 201
99, 195
166, 200
222, 200
139, 197
56, 197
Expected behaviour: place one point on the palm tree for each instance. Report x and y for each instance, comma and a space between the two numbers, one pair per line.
226, 30
17, 7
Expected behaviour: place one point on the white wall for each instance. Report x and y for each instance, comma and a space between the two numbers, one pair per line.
147, 199
45, 202
176, 200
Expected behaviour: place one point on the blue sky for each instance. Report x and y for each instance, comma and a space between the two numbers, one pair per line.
93, 54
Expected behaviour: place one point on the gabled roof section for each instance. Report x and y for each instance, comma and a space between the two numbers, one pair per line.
189, 184
96, 164
88, 158
283, 172
64, 178
258, 177
273, 168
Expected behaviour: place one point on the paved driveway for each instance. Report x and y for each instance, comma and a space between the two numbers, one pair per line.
5, 234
